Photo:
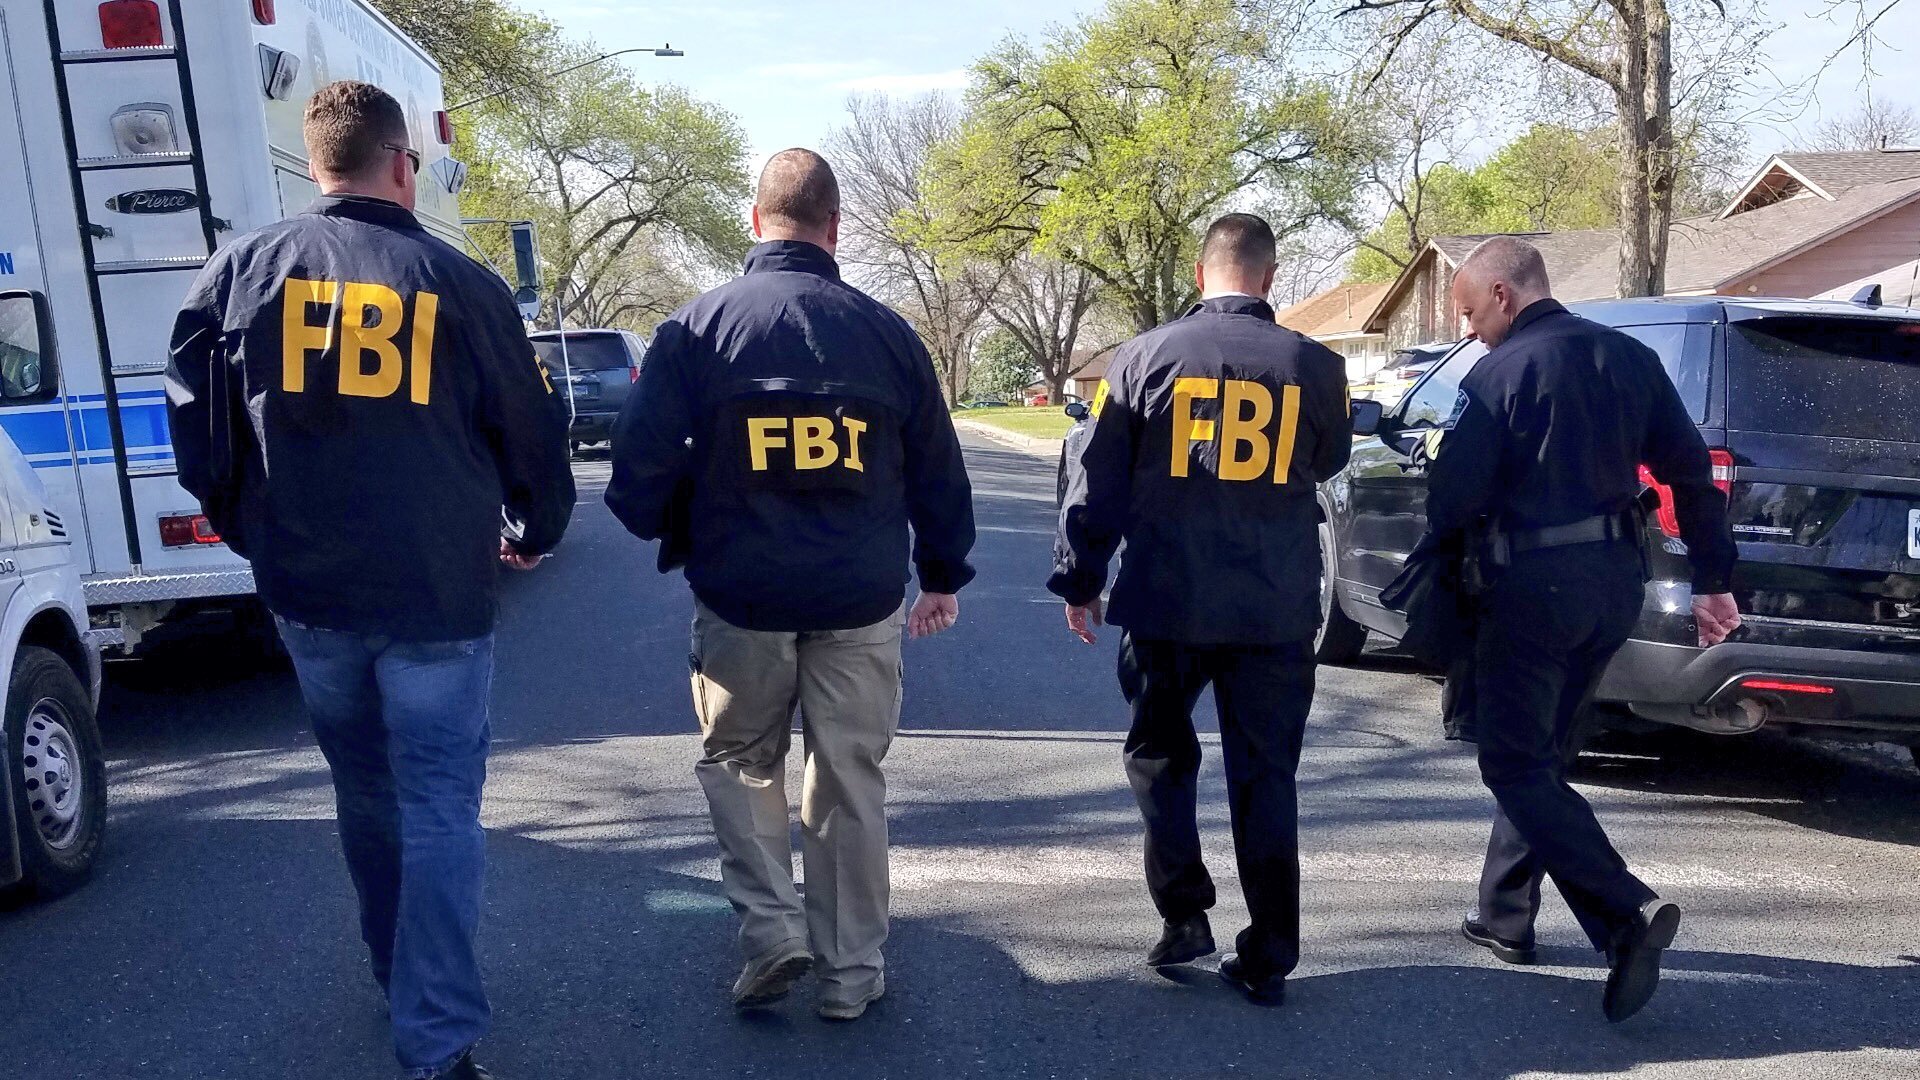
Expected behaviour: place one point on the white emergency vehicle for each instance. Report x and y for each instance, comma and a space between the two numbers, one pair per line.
136, 137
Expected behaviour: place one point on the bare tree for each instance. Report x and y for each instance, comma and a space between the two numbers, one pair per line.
1875, 126
880, 156
1625, 46
1046, 305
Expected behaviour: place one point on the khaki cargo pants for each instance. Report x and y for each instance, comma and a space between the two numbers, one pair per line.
846, 683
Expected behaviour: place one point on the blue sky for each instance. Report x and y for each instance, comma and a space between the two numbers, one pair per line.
786, 68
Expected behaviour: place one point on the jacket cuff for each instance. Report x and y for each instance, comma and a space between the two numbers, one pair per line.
943, 577
1708, 583
1075, 588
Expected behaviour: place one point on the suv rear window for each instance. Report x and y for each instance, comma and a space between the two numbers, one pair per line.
586, 352
1836, 378
1685, 351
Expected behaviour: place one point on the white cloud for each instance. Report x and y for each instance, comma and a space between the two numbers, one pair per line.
955, 79
815, 71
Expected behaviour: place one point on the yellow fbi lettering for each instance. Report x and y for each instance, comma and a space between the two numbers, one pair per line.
809, 439
367, 332
1247, 450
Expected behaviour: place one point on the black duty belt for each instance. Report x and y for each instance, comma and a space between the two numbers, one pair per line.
1601, 527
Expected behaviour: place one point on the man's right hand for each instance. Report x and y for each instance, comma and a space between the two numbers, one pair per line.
512, 557
1718, 617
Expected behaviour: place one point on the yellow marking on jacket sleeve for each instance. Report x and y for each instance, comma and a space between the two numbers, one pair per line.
357, 339
1187, 430
762, 437
546, 373
426, 309
855, 428
298, 337
813, 445
1240, 428
1100, 398
1289, 433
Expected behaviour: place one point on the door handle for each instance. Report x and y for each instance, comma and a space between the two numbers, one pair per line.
1410, 466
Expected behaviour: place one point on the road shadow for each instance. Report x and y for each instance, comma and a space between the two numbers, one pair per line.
240, 960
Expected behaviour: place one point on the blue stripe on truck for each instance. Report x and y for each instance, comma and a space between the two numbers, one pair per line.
43, 431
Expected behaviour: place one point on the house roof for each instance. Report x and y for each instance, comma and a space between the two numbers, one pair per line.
1704, 253
1341, 310
1822, 176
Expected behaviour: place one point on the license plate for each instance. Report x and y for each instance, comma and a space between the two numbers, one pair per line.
1913, 533
585, 390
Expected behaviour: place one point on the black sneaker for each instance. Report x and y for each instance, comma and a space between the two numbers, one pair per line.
464, 1069
1183, 942
1634, 959
1513, 952
1267, 992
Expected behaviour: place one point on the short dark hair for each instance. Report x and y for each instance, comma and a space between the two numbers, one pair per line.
349, 126
1243, 240
798, 188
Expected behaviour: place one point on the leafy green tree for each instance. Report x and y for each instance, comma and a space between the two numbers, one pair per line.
1002, 366
482, 45
622, 182
1109, 145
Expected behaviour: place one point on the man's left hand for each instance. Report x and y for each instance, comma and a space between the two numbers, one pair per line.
515, 560
932, 613
1082, 620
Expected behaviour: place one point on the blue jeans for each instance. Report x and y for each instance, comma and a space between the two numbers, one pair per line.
404, 727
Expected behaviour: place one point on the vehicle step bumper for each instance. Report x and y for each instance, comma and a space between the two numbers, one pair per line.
1872, 690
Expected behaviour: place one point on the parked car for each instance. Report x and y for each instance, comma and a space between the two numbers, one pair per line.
595, 371
53, 778
985, 403
1812, 413
1392, 382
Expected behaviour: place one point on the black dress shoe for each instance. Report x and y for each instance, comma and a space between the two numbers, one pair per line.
465, 1069
1513, 952
1267, 991
1634, 959
1183, 942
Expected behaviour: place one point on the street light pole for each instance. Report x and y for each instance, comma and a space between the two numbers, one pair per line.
665, 50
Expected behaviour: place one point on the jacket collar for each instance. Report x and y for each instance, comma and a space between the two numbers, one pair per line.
364, 208
1534, 312
1233, 304
793, 255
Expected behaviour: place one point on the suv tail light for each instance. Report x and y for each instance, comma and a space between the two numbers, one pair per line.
633, 373
187, 530
443, 127
1667, 515
130, 24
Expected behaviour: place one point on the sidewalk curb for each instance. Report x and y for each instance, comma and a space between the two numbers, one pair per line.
1048, 449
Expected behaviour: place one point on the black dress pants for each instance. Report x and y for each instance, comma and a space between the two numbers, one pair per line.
1263, 694
1548, 627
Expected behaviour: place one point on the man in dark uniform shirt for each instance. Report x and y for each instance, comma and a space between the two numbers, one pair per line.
354, 402
1212, 432
786, 431
1554, 422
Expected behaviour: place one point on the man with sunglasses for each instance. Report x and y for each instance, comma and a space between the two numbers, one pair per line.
389, 381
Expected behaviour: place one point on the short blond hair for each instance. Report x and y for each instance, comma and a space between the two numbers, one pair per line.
798, 190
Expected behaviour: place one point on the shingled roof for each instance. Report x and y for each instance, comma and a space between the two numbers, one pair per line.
1822, 175
1342, 309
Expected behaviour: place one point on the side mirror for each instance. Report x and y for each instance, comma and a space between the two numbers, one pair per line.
1367, 416
29, 373
1078, 411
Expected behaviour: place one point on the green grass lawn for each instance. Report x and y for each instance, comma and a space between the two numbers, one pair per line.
1041, 422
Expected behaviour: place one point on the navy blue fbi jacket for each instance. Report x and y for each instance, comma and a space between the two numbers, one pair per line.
1556, 422
1214, 430
785, 432
353, 402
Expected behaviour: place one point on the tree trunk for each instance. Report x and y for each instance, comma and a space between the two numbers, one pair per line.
1663, 163
1636, 176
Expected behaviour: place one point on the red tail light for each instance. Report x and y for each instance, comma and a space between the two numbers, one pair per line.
130, 24
1779, 687
186, 530
263, 12
443, 127
633, 374
1668, 517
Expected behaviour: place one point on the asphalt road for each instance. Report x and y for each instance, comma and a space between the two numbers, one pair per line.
218, 940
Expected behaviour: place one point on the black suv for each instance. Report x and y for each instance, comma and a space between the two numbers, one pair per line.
595, 371
1811, 410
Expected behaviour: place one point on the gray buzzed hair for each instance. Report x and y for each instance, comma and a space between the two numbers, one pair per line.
1509, 259
798, 189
